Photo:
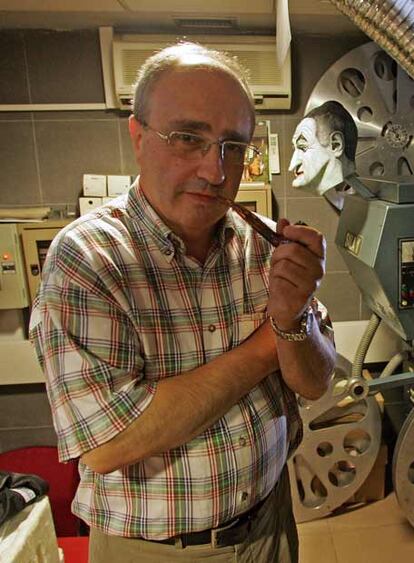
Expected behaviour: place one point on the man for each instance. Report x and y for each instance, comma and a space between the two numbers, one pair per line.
324, 145
154, 328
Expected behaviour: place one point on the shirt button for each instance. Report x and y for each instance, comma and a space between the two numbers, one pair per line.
244, 496
211, 328
242, 441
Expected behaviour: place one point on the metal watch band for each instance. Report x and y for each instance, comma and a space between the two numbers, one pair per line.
295, 335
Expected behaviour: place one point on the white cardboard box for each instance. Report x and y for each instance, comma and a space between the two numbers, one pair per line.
86, 204
94, 185
118, 185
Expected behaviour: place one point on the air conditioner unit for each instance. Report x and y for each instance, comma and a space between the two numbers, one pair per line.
270, 83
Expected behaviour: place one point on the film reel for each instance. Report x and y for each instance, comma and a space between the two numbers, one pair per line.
403, 467
342, 436
379, 95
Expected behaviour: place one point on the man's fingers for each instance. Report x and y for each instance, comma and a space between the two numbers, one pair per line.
281, 224
312, 239
305, 278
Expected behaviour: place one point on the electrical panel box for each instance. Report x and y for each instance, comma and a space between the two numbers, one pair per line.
36, 239
13, 286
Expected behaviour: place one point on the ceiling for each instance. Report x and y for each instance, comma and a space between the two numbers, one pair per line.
225, 16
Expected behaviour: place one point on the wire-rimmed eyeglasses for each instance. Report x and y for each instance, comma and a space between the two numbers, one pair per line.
190, 146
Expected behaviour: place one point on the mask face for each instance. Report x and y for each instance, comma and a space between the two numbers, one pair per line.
312, 163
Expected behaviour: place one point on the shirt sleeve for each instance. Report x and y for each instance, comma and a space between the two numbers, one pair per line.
89, 350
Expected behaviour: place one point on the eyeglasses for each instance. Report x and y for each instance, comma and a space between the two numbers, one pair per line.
190, 146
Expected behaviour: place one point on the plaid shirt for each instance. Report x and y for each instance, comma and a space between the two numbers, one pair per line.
120, 307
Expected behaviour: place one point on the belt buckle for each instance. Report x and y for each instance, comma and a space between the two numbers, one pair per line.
215, 542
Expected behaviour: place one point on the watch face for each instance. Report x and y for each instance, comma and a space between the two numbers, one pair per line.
308, 322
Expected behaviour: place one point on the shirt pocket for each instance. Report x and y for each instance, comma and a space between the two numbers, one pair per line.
245, 325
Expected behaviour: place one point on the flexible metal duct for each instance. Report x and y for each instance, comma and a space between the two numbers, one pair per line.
390, 23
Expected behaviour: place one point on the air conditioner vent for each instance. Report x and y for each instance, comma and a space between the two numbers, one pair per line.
206, 23
262, 66
132, 60
270, 82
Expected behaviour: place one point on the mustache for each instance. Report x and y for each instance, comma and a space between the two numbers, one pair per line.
203, 188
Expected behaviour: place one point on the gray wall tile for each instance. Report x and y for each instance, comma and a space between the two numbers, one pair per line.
16, 116
129, 164
315, 212
18, 170
24, 405
68, 149
25, 417
13, 70
64, 66
279, 207
80, 115
341, 296
23, 437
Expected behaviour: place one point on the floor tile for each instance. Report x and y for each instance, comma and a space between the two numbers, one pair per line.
379, 513
314, 527
384, 544
316, 548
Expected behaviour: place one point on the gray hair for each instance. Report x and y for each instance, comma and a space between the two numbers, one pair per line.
185, 54
334, 117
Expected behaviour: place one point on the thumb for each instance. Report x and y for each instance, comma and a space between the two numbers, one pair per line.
281, 224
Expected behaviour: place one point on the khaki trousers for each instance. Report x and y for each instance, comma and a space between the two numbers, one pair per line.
272, 539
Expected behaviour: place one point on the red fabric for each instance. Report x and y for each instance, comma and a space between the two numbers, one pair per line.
75, 550
63, 479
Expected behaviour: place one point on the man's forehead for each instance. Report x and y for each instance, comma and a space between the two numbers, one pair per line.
305, 129
200, 96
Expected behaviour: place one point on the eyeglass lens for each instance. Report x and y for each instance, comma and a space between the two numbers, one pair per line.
190, 146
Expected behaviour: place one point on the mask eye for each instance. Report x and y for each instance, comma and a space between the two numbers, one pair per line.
302, 147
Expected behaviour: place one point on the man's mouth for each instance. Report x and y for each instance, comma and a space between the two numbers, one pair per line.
206, 196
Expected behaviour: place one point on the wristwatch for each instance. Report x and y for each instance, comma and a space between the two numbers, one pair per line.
296, 335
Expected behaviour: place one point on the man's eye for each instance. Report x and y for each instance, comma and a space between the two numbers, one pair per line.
188, 139
235, 148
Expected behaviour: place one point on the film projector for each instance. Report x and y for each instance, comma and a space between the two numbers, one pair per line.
375, 237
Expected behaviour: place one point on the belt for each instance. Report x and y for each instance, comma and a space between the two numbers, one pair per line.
231, 533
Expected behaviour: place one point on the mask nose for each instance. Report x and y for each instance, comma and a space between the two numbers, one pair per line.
295, 160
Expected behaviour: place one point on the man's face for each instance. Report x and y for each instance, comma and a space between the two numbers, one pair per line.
205, 102
310, 159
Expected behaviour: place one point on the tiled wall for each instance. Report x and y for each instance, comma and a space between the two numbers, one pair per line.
43, 156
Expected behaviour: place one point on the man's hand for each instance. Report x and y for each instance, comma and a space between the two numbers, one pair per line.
296, 271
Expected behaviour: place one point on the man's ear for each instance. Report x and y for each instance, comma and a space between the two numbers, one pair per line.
135, 132
337, 143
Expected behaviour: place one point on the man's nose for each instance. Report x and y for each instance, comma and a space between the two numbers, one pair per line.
211, 166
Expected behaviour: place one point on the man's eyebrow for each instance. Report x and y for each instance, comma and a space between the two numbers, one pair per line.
204, 127
189, 124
